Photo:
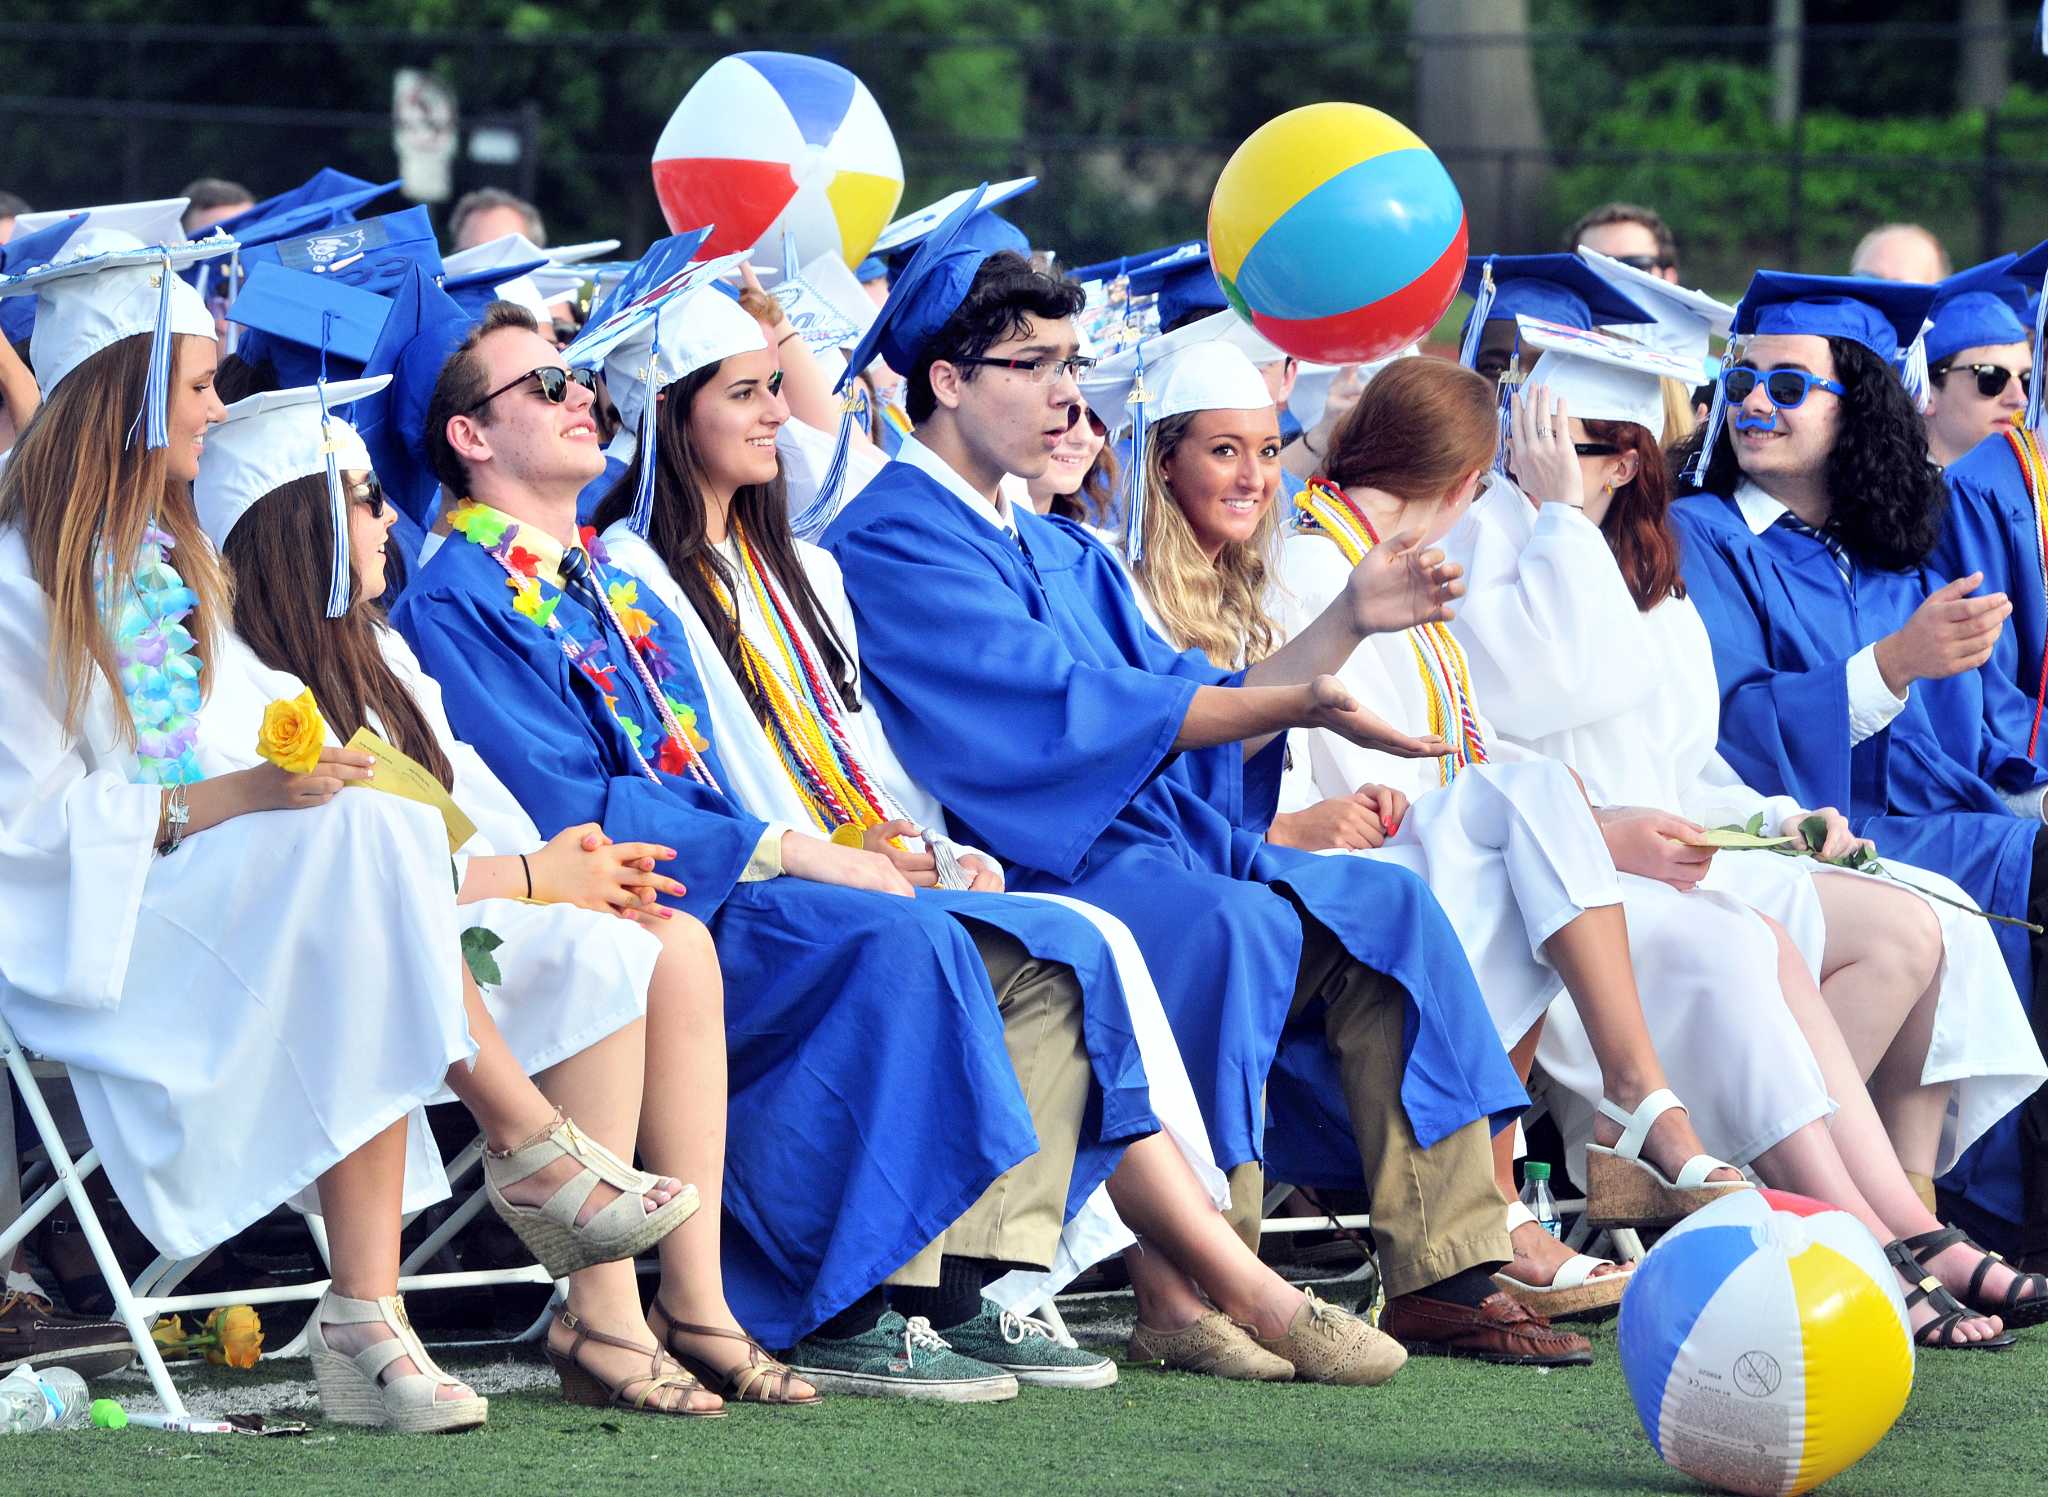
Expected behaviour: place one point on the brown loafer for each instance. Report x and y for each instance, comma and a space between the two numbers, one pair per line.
1497, 1329
34, 1335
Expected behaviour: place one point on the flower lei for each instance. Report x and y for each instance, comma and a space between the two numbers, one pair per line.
804, 721
155, 653
1325, 509
681, 750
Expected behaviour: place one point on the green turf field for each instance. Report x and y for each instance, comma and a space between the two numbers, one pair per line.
1975, 1425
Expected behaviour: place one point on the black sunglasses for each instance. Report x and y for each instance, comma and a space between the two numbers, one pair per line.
1596, 449
371, 497
553, 380
1991, 378
1649, 263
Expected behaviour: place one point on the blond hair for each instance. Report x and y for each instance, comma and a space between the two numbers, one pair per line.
1216, 607
79, 491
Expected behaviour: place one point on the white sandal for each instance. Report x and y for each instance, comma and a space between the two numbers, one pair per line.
1574, 1290
1623, 1189
350, 1389
624, 1228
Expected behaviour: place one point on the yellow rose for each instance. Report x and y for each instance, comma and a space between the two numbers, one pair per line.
293, 734
240, 1333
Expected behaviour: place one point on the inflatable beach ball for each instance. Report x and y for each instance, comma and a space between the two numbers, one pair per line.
1766, 1344
770, 143
1337, 233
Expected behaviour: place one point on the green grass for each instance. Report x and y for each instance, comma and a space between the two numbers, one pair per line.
1974, 1425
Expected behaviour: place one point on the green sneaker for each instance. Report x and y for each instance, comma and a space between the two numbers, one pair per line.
1029, 1349
899, 1358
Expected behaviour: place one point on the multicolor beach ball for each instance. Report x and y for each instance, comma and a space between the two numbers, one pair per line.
1766, 1344
1337, 233
771, 143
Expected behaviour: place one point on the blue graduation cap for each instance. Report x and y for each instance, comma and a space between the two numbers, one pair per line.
370, 253
290, 314
906, 233
873, 268
423, 327
984, 230
26, 252
327, 197
1184, 281
921, 300
1883, 316
1978, 307
1555, 288
479, 288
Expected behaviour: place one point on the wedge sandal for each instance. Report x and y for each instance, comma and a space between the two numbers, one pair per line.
1623, 1189
624, 1228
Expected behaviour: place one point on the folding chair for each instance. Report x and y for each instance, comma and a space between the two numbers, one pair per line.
153, 1290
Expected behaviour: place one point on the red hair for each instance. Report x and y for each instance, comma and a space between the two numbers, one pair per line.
1421, 427
1638, 520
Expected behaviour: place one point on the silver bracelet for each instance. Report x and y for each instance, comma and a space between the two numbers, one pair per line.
177, 814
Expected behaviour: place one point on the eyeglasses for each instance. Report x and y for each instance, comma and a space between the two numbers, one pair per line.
1649, 263
1038, 371
371, 497
553, 380
1596, 449
1991, 378
1785, 388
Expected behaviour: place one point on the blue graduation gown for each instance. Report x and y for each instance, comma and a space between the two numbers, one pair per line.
1990, 528
1784, 625
595, 491
872, 1099
1028, 695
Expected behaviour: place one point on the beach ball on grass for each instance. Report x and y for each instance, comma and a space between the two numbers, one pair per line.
768, 144
1766, 1344
1337, 233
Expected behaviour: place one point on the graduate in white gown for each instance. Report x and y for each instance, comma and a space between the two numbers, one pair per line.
800, 749
1582, 649
178, 941
612, 1002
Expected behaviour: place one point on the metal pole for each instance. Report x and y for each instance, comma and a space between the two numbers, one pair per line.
1991, 204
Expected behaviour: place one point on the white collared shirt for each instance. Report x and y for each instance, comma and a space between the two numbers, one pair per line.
1872, 704
935, 467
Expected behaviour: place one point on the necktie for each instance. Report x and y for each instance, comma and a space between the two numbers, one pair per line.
1829, 542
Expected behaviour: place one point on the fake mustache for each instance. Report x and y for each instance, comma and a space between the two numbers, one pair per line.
1745, 422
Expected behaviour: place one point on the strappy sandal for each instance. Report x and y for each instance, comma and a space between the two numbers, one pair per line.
2017, 1310
1623, 1189
761, 1379
1939, 1334
624, 1228
1578, 1291
582, 1386
352, 1390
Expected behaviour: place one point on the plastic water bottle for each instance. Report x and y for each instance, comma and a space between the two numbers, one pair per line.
1537, 1197
52, 1398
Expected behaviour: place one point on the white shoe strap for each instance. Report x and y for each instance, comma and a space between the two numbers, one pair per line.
1636, 1125
1519, 1215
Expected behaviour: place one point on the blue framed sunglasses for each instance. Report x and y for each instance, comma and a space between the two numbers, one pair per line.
1785, 388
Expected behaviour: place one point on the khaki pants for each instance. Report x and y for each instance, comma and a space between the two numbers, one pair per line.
1018, 1220
1434, 1211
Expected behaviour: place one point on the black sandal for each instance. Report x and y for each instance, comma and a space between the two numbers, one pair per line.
2018, 1310
1939, 1333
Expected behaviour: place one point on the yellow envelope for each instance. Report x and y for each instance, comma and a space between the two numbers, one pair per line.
401, 776
1719, 837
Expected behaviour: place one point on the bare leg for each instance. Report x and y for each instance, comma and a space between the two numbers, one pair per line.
1848, 1161
360, 1201
1591, 955
1538, 1255
1160, 1200
1880, 976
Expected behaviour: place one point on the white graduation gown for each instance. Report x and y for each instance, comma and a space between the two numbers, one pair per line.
1746, 1075
757, 781
1571, 667
571, 976
238, 1016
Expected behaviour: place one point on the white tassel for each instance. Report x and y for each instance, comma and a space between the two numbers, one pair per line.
1134, 480
1475, 326
1913, 369
642, 513
2034, 395
1717, 415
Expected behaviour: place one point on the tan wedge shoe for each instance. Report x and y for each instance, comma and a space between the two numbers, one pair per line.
1623, 1189
624, 1228
351, 1389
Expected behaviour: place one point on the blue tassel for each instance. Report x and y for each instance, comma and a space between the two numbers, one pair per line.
2034, 396
1717, 415
1134, 479
1475, 325
337, 501
811, 521
154, 417
642, 513
1510, 385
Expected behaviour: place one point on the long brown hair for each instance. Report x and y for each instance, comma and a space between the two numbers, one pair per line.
81, 495
1093, 502
1638, 519
1421, 427
1217, 607
280, 552
676, 532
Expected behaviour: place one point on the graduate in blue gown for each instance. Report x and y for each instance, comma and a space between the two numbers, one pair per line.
874, 1103
1850, 674
1993, 523
1016, 679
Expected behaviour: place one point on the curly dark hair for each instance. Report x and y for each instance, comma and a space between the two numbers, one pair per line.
1005, 291
1887, 496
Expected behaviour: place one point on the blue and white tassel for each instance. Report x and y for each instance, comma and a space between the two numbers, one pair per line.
339, 572
642, 514
154, 417
2034, 395
1913, 368
811, 521
1134, 480
1717, 416
1475, 325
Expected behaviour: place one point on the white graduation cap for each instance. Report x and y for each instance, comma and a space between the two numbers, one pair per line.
1602, 377
912, 227
576, 254
159, 221
270, 439
1686, 320
107, 286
